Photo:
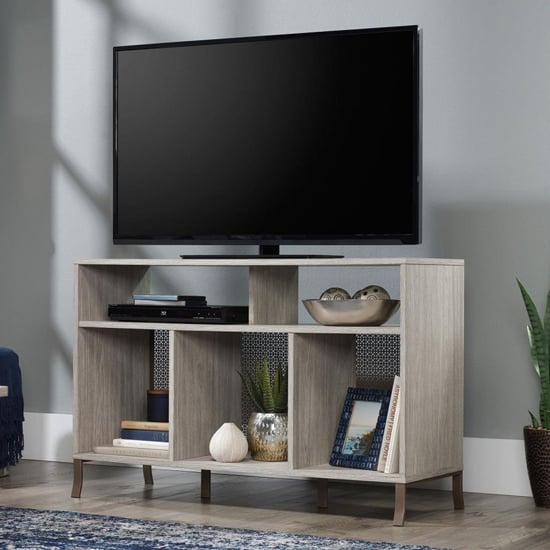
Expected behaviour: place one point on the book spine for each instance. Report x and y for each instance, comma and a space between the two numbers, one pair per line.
131, 451
392, 461
140, 443
145, 435
388, 429
144, 425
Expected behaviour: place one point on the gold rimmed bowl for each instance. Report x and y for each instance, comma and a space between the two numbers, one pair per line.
351, 312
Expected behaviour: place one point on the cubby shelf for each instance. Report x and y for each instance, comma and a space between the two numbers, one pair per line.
112, 371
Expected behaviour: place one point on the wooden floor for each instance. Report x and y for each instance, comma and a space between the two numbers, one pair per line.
355, 511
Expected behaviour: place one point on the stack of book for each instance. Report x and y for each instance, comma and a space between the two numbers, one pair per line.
139, 438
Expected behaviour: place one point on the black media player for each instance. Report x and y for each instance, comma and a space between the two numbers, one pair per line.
179, 314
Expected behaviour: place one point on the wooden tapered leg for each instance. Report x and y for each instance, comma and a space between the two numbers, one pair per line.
399, 511
322, 493
78, 475
148, 474
458, 495
205, 485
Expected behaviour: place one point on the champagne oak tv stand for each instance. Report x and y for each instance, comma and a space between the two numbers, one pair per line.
112, 371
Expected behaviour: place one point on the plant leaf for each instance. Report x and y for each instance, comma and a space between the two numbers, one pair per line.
252, 392
277, 383
534, 421
544, 371
539, 347
537, 328
265, 384
533, 351
281, 405
547, 321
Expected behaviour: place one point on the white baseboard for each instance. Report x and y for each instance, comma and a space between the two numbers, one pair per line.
493, 466
48, 436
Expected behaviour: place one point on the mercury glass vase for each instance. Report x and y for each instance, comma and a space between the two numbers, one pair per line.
268, 436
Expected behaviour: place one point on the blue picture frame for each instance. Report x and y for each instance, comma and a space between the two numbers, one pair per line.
361, 428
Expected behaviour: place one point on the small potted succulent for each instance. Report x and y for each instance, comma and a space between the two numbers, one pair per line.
537, 435
268, 425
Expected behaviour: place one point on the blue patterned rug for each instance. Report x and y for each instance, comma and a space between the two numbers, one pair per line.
38, 529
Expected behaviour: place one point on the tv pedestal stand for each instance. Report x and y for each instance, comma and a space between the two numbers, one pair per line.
267, 251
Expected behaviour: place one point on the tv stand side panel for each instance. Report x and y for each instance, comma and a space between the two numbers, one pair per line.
432, 369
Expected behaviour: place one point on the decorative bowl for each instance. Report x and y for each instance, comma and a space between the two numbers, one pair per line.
351, 312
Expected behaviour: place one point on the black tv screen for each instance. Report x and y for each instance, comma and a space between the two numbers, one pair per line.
289, 139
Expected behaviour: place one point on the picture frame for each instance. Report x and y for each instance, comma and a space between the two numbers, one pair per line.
361, 428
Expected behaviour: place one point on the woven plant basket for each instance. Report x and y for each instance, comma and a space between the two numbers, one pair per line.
537, 454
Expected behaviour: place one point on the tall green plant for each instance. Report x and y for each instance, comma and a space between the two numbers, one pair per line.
538, 333
269, 394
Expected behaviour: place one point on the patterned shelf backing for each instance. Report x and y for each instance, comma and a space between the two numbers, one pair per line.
376, 359
160, 359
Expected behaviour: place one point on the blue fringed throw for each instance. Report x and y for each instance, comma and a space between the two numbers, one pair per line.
11, 409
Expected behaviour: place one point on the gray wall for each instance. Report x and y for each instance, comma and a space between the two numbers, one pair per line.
486, 168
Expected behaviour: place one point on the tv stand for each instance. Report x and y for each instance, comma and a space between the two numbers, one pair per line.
266, 251
112, 367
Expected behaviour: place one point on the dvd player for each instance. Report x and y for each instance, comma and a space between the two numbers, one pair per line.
179, 314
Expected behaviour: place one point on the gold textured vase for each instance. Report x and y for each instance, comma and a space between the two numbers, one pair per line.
268, 436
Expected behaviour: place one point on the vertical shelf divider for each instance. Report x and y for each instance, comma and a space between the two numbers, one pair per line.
273, 295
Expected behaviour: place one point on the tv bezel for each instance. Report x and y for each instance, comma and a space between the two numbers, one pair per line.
272, 242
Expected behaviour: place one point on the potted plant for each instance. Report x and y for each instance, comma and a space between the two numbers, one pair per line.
537, 436
268, 425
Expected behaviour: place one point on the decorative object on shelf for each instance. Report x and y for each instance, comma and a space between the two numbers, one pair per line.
268, 424
372, 292
228, 444
351, 312
335, 293
361, 429
536, 437
268, 436
157, 405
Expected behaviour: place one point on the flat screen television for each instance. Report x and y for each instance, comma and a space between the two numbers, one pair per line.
307, 139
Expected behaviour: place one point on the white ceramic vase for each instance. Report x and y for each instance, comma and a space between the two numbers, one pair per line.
228, 444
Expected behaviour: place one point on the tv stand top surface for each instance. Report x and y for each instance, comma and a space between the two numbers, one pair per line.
276, 261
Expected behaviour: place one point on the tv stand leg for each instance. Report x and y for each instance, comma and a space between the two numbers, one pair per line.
399, 511
78, 476
205, 485
148, 474
322, 493
458, 494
